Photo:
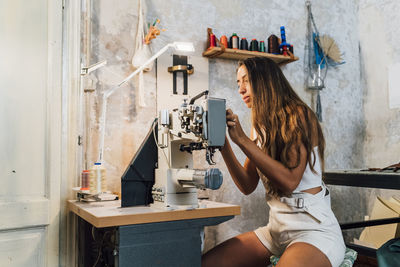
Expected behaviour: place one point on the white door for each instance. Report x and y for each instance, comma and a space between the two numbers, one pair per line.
30, 131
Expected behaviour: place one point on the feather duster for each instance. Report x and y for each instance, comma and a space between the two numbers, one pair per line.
330, 48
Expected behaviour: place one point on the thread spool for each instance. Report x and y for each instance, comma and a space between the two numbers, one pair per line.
244, 45
254, 45
284, 46
234, 40
212, 41
273, 45
97, 179
85, 180
283, 34
224, 41
285, 50
262, 46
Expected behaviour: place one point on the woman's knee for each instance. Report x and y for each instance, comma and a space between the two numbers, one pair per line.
243, 250
303, 254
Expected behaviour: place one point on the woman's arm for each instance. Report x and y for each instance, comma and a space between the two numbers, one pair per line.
245, 177
284, 178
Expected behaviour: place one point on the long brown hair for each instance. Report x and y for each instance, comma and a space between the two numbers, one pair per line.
280, 118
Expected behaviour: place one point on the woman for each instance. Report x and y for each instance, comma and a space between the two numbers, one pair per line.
285, 150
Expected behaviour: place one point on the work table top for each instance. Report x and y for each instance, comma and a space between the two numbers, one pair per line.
110, 213
361, 178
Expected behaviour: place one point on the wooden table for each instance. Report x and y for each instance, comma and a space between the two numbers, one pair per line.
149, 235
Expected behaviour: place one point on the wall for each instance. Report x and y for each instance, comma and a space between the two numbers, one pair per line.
379, 35
113, 36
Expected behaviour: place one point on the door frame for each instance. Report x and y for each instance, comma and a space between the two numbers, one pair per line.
71, 117
54, 130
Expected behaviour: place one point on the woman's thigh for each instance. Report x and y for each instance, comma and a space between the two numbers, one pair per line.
303, 254
242, 250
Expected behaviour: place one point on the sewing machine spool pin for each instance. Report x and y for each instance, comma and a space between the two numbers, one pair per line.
180, 65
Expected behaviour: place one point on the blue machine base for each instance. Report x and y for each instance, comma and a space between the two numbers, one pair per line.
173, 243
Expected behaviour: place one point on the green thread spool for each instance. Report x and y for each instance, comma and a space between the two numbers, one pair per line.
262, 46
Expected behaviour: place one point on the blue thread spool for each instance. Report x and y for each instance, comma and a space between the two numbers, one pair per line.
284, 46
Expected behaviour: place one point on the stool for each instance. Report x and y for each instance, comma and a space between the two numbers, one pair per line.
349, 257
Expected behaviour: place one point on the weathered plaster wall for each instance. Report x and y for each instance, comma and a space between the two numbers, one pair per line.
113, 36
379, 26
114, 26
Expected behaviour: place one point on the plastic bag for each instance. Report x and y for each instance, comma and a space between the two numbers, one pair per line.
142, 54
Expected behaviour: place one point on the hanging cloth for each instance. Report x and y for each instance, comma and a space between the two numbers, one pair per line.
142, 53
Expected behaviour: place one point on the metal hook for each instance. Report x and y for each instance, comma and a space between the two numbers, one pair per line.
210, 156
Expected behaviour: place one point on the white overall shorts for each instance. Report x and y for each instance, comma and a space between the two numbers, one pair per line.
307, 218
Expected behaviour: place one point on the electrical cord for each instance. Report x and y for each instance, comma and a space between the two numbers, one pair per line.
100, 253
158, 145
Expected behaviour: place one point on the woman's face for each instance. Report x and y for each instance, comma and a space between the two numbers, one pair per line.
244, 86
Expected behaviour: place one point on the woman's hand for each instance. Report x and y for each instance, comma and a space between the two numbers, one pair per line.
235, 130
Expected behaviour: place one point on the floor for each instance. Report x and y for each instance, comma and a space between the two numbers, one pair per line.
364, 261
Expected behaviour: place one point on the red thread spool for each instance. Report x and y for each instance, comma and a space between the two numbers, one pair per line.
212, 40
284, 50
85, 180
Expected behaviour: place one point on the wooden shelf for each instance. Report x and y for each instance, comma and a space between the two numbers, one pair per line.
243, 54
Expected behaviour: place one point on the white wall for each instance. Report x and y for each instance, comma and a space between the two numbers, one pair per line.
379, 23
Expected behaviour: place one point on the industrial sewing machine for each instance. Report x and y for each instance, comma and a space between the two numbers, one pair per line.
192, 126
167, 161
162, 170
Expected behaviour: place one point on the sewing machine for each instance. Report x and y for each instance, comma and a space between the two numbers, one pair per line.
167, 153
197, 124
162, 170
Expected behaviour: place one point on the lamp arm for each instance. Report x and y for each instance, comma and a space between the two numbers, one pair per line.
156, 55
109, 92
102, 128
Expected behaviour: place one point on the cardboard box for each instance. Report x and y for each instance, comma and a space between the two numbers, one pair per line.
376, 236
